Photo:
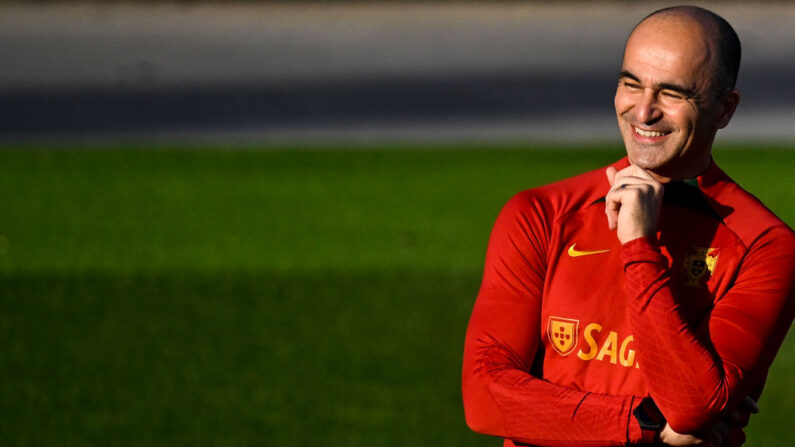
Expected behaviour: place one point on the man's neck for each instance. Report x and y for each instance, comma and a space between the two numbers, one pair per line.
688, 171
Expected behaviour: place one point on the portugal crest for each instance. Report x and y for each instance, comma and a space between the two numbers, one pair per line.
562, 333
699, 265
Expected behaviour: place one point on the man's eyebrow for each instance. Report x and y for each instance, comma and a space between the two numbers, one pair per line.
626, 74
661, 86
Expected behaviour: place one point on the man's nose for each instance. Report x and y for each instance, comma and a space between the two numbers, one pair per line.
648, 110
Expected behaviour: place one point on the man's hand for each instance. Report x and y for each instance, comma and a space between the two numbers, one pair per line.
728, 432
669, 437
633, 203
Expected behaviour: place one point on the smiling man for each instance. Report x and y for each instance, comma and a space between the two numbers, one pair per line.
676, 89
643, 302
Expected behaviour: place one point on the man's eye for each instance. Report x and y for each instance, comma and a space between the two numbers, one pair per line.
631, 85
672, 94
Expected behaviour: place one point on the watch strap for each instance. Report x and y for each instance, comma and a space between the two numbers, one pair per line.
650, 419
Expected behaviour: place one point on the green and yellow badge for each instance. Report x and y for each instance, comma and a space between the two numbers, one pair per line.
699, 265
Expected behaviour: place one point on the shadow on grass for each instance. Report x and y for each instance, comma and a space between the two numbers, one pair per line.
251, 359
356, 359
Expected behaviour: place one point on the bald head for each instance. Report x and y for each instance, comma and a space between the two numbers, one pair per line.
699, 27
675, 91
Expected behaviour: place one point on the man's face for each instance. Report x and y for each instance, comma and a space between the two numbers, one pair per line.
666, 110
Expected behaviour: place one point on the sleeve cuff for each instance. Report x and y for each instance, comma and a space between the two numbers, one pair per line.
642, 249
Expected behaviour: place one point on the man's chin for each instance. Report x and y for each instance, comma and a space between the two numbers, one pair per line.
643, 164
642, 159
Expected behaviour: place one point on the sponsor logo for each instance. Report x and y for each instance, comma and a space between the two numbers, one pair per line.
562, 333
699, 265
576, 253
598, 344
610, 350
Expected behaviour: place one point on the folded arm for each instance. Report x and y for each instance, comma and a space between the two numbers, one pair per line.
695, 374
501, 396
698, 374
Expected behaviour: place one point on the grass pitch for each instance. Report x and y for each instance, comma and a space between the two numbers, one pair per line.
273, 297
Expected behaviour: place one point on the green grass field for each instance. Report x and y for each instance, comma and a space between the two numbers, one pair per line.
270, 297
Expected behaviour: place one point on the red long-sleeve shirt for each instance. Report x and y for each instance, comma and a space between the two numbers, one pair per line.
571, 329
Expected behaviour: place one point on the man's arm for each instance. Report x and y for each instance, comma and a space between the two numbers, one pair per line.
697, 374
501, 397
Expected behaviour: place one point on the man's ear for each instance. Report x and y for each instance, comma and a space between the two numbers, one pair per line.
728, 104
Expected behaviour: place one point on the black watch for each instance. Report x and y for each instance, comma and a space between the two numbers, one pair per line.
651, 420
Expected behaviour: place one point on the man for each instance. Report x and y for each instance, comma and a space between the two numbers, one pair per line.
644, 302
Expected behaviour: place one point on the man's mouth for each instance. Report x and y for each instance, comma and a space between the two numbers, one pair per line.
649, 133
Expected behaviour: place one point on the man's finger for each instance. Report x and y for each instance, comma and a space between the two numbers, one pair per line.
736, 437
721, 432
611, 174
631, 180
751, 405
611, 209
611, 205
642, 173
634, 171
630, 176
615, 199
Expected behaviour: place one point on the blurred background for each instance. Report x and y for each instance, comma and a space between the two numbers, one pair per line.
350, 71
264, 223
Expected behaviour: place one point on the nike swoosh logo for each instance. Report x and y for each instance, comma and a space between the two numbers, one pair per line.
575, 253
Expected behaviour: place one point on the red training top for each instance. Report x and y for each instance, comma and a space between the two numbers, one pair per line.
571, 329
